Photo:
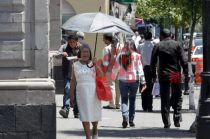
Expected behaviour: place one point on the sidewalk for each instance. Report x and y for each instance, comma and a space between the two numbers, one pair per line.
148, 125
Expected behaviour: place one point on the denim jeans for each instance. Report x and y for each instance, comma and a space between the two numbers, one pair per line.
128, 91
66, 100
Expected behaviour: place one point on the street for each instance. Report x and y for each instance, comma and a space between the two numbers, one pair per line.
148, 125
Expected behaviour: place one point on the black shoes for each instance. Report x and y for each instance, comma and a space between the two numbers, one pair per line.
176, 124
150, 110
131, 123
186, 92
108, 107
167, 126
117, 107
147, 110
125, 122
64, 113
76, 115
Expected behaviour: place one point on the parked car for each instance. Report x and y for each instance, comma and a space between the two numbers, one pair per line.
196, 42
197, 63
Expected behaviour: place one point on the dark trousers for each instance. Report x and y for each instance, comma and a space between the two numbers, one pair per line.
147, 93
128, 92
171, 95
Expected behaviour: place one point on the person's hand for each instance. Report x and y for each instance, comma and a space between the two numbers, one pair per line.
143, 87
94, 60
65, 54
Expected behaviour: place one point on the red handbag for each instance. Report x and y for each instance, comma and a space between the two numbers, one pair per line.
103, 90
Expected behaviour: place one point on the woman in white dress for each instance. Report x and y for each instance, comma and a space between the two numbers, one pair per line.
83, 78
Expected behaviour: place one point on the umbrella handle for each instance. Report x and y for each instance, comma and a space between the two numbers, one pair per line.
95, 44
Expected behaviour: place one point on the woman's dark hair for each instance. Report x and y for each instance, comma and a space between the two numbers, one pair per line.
148, 35
125, 58
84, 45
72, 37
108, 36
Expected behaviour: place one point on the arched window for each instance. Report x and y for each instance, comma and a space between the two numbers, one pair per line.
67, 11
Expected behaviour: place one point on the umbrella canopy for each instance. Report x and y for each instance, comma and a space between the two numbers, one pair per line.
96, 23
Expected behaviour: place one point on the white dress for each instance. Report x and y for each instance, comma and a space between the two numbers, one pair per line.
88, 103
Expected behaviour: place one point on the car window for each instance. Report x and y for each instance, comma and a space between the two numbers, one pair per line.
199, 51
198, 42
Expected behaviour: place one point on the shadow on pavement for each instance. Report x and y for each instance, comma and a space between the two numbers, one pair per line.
132, 132
171, 111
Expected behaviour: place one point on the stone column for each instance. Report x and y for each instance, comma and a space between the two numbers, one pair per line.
27, 94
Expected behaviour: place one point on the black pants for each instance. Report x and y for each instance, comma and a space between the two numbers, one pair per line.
147, 93
171, 95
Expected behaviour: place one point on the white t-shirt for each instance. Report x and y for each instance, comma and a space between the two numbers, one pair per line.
136, 40
145, 50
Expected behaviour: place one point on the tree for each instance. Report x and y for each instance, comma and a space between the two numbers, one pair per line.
180, 13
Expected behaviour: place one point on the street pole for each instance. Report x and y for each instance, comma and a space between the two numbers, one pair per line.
203, 117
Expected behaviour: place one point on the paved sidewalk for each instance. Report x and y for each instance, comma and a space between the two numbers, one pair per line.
148, 125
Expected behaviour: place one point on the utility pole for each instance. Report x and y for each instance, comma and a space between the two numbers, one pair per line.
203, 117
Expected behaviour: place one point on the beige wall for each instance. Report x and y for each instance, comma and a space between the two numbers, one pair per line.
82, 6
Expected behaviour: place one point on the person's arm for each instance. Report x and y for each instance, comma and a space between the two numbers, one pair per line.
106, 59
61, 52
183, 62
72, 86
153, 62
98, 67
140, 70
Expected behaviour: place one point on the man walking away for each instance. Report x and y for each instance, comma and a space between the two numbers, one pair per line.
171, 58
145, 49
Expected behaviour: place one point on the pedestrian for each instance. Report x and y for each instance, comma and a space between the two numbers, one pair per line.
145, 49
81, 37
171, 58
191, 70
136, 38
111, 43
129, 71
84, 79
68, 50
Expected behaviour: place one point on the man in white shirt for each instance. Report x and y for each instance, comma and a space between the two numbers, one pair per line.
145, 49
136, 38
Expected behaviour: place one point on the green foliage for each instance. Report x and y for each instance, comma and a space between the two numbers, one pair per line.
178, 12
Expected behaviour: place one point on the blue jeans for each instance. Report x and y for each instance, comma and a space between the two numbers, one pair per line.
128, 91
66, 100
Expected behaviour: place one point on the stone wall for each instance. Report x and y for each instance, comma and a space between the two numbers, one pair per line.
28, 29
27, 109
24, 39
